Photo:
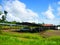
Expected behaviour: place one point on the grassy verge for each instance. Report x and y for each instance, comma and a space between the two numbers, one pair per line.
13, 38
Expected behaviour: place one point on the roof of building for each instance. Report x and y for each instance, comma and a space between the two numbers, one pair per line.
47, 24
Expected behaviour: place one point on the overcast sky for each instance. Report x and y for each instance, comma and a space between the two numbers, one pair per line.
38, 11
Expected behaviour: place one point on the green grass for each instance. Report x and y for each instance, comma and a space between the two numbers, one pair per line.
11, 38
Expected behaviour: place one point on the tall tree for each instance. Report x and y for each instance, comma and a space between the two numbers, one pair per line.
5, 12
3, 18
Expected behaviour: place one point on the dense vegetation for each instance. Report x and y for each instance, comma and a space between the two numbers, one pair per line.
14, 38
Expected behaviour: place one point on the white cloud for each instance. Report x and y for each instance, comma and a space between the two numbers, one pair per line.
1, 17
58, 9
0, 10
49, 13
0, 7
17, 11
59, 2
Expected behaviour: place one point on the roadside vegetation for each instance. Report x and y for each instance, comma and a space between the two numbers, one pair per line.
15, 38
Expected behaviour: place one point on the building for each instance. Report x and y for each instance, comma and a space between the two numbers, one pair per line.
49, 26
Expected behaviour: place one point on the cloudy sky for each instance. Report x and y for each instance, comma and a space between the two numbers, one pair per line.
38, 11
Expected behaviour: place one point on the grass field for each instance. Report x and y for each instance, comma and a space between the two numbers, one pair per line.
15, 38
